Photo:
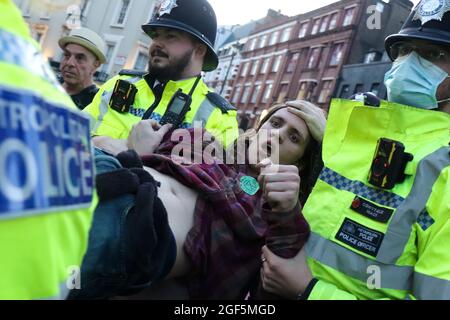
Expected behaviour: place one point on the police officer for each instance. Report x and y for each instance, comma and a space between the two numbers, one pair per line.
183, 34
46, 171
379, 213
83, 54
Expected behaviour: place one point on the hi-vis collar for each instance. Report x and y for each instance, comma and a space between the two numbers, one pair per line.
428, 10
164, 7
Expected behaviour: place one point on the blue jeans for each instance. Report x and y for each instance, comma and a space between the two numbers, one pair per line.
104, 271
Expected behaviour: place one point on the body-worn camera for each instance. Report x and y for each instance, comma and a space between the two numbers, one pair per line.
123, 96
178, 106
388, 165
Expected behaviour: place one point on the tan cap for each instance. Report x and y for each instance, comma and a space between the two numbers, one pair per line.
87, 39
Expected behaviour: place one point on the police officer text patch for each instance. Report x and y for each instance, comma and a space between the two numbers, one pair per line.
46, 159
360, 237
371, 210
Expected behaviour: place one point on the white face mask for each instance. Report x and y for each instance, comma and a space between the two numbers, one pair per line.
413, 81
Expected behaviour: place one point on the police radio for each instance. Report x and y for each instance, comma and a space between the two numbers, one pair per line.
123, 96
177, 108
389, 163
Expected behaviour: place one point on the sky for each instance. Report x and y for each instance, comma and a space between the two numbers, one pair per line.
230, 12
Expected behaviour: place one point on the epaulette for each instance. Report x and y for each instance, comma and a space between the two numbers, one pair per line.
220, 102
134, 73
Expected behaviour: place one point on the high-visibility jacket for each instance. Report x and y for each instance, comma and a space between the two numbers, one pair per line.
46, 171
216, 115
373, 243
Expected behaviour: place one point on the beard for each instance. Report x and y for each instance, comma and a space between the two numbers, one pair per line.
173, 70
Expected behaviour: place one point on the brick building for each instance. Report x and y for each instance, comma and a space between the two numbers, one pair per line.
302, 57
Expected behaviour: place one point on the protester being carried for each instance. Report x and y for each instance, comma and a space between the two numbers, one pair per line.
207, 221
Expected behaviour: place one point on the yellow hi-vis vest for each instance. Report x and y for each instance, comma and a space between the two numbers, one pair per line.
371, 243
219, 120
46, 171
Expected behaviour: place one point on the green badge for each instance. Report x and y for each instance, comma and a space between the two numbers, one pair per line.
249, 185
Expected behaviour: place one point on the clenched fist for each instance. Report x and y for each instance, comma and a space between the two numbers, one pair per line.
280, 185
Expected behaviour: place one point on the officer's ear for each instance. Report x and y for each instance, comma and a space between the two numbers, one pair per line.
200, 49
97, 64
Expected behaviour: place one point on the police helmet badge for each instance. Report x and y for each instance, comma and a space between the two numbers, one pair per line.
428, 10
164, 7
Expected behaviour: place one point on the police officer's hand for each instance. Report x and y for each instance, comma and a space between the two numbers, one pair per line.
146, 136
285, 277
313, 116
280, 185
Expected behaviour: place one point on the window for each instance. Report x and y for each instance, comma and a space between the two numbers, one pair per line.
333, 21
315, 26
324, 25
246, 93
265, 66
303, 90
375, 88
326, 91
337, 54
122, 12
141, 61
372, 57
85, 8
244, 69
274, 38
293, 62
236, 94
348, 19
252, 44
276, 64
267, 92
254, 67
286, 35
283, 92
344, 91
314, 58
303, 30
263, 41
255, 93
109, 52
359, 88
26, 8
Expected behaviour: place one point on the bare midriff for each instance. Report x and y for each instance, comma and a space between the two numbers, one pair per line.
179, 202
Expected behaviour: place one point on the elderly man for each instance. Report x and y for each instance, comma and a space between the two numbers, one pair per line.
379, 213
83, 54
183, 33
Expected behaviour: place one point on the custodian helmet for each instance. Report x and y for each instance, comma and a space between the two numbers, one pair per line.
430, 20
195, 17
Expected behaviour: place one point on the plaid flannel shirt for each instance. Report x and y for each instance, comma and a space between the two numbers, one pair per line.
230, 227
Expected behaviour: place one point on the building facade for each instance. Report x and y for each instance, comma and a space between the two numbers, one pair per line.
118, 22
230, 42
302, 57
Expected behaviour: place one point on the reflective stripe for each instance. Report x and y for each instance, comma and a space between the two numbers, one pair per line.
399, 229
430, 288
103, 108
17, 51
356, 266
382, 197
134, 80
204, 112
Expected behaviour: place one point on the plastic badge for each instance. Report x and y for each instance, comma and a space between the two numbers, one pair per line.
249, 185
